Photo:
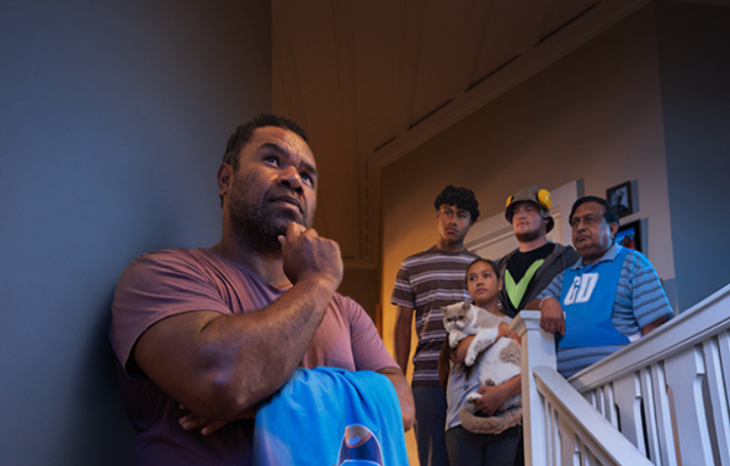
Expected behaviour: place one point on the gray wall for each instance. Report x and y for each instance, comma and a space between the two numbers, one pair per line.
694, 59
113, 120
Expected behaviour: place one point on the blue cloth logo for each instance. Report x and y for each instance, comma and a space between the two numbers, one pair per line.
581, 289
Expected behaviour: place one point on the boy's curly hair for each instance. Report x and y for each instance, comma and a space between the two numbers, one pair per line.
462, 198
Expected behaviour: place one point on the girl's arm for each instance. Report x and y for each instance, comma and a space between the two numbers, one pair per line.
493, 396
504, 331
459, 353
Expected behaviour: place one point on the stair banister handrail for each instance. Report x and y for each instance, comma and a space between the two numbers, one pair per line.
541, 383
702, 330
696, 324
604, 441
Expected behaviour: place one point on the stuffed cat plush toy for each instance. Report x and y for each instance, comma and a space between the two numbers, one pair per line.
496, 362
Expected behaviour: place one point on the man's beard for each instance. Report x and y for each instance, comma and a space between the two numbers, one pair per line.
257, 226
530, 235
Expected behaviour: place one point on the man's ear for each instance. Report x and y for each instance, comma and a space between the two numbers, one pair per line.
613, 228
225, 173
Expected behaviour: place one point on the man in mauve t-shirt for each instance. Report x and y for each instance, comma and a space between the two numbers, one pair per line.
202, 336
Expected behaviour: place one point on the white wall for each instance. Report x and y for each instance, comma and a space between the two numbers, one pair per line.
595, 115
113, 121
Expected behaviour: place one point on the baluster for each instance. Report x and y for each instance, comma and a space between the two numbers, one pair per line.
649, 416
684, 373
584, 454
665, 423
568, 444
718, 400
600, 403
627, 392
611, 409
552, 435
723, 343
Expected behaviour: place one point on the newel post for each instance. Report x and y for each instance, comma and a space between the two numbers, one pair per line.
538, 349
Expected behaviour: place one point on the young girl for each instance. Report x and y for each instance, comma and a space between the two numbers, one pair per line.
465, 447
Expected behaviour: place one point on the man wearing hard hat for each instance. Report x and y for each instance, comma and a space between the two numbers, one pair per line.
527, 270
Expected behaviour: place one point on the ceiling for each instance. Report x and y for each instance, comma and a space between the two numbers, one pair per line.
371, 80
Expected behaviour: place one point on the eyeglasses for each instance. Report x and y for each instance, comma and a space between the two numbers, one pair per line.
588, 220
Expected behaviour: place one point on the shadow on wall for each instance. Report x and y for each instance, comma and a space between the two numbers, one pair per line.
116, 117
101, 429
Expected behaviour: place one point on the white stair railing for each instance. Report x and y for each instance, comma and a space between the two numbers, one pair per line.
667, 394
578, 433
560, 426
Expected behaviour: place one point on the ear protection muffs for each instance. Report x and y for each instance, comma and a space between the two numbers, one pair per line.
543, 198
534, 194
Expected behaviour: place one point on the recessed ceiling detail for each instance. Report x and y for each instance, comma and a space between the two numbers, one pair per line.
372, 80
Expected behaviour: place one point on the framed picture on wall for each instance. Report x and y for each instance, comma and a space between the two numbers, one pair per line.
620, 199
629, 236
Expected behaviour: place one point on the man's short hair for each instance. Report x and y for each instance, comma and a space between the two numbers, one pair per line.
609, 214
242, 135
462, 198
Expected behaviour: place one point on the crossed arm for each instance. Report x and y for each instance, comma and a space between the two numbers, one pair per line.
405, 395
191, 421
220, 366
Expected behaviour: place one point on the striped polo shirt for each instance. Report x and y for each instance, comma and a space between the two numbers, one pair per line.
640, 300
425, 282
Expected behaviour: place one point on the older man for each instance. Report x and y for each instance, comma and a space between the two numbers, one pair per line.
220, 329
610, 297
